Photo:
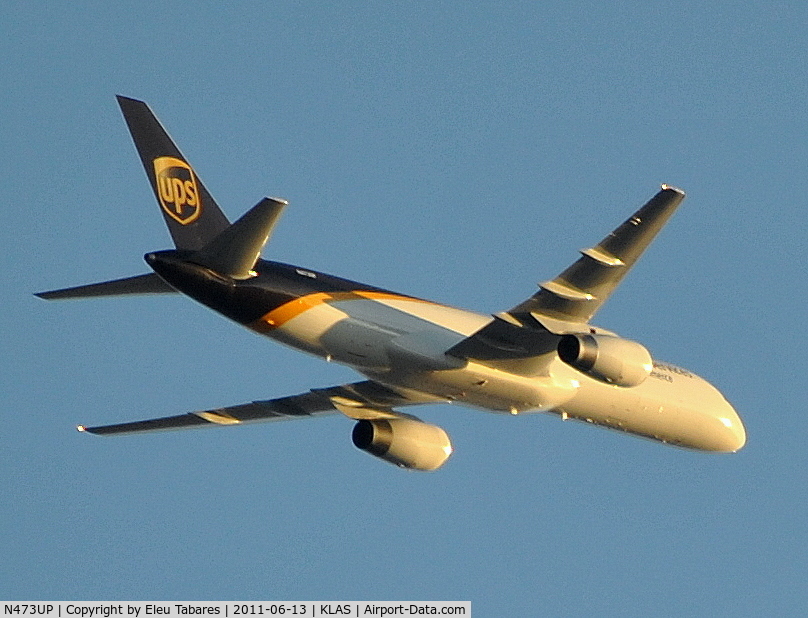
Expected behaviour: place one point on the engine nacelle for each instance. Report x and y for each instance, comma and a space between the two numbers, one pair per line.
608, 359
404, 442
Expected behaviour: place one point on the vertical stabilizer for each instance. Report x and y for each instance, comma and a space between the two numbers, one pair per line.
193, 217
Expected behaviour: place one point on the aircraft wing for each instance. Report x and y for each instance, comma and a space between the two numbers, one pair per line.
360, 400
567, 303
578, 292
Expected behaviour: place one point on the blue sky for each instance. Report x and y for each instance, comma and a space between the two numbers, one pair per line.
456, 151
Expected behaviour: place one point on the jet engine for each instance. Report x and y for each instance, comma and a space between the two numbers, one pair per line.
404, 442
608, 359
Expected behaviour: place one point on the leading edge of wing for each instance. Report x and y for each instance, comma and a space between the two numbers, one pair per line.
356, 400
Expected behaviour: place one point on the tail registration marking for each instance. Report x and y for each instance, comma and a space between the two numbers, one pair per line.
177, 189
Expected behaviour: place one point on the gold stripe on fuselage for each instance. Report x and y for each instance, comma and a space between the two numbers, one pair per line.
288, 311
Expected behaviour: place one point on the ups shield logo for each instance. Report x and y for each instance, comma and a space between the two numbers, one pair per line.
177, 189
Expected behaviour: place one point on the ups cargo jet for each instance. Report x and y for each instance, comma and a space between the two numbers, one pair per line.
542, 355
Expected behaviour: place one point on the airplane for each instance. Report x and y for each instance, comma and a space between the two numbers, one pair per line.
542, 355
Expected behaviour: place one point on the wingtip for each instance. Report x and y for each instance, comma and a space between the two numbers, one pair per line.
122, 97
667, 187
81, 428
49, 295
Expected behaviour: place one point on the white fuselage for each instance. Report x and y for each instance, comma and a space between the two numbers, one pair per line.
401, 342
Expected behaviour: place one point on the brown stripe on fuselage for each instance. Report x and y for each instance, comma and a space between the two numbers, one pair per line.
280, 315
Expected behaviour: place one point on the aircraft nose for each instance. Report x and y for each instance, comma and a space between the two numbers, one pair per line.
732, 435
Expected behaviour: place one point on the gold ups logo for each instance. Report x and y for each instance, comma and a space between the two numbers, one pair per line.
177, 189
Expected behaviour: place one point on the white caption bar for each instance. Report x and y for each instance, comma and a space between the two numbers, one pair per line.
231, 609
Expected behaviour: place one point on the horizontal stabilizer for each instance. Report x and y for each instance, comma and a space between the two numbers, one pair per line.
235, 251
141, 284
